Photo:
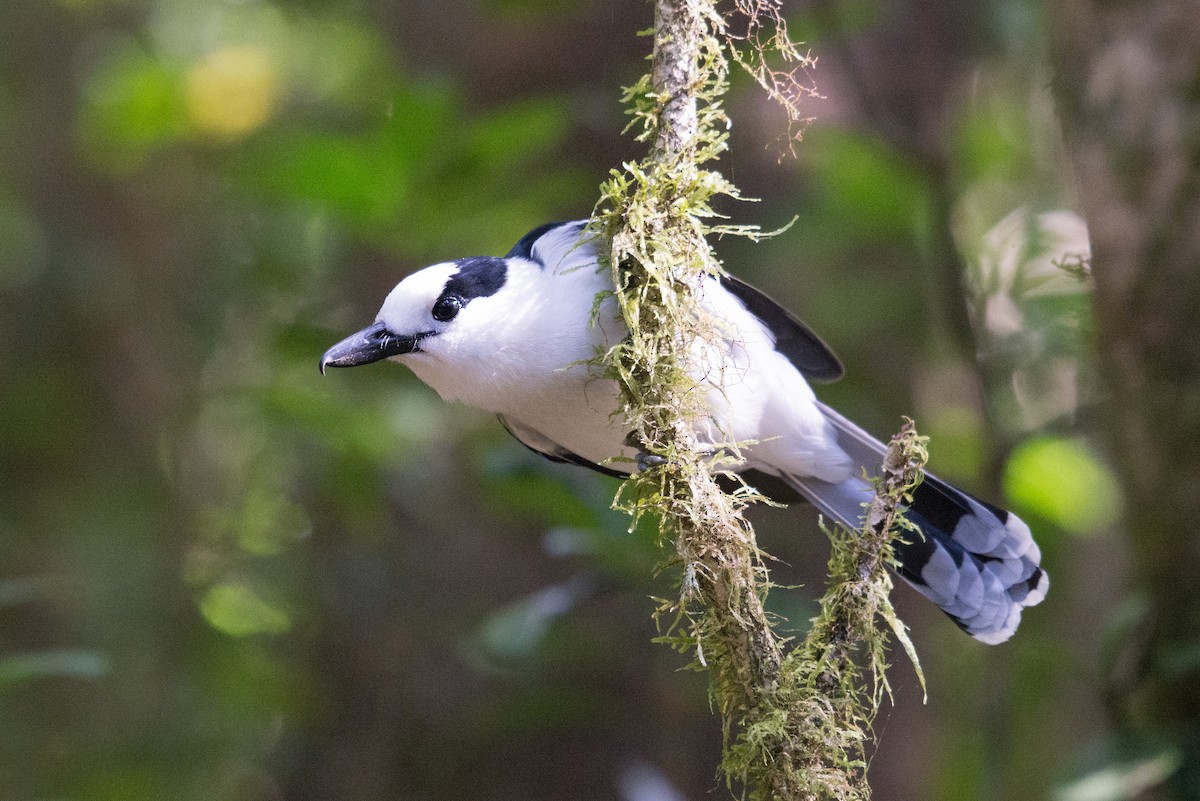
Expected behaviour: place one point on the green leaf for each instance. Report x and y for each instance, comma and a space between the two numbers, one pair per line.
866, 183
132, 103
1063, 481
237, 610
992, 138
515, 132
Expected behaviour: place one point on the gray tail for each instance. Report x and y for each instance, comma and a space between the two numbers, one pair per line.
977, 562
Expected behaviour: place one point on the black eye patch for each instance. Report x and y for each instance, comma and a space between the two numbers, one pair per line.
477, 277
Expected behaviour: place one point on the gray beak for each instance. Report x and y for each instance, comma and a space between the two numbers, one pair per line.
368, 345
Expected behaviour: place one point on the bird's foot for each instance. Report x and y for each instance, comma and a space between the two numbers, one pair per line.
643, 458
646, 461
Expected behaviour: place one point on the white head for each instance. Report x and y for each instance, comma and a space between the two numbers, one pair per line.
442, 313
482, 330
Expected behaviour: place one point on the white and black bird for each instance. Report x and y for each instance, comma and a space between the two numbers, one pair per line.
516, 336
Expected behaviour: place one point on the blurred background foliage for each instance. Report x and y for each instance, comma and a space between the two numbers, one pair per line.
222, 576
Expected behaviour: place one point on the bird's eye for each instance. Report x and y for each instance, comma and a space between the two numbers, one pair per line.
447, 307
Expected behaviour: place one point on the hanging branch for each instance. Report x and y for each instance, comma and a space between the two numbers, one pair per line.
796, 725
659, 253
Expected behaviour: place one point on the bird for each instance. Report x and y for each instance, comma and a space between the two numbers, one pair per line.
518, 336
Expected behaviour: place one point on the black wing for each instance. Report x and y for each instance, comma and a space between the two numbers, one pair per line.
807, 351
543, 446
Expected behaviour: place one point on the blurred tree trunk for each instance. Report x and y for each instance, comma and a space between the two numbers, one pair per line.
1128, 87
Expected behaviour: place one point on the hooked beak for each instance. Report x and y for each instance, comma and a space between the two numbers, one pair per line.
368, 345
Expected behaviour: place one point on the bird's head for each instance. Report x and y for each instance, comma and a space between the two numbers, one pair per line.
432, 311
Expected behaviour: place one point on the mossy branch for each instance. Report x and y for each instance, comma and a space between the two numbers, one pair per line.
659, 254
795, 725
810, 742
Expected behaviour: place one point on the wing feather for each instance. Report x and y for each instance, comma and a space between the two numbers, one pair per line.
814, 359
544, 446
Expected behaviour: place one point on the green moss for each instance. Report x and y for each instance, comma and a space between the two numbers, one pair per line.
796, 723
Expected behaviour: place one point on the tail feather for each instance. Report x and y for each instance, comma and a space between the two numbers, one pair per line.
978, 562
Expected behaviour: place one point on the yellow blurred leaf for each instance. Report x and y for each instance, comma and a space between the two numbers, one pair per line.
232, 91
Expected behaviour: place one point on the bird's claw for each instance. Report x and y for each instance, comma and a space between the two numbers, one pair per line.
646, 461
